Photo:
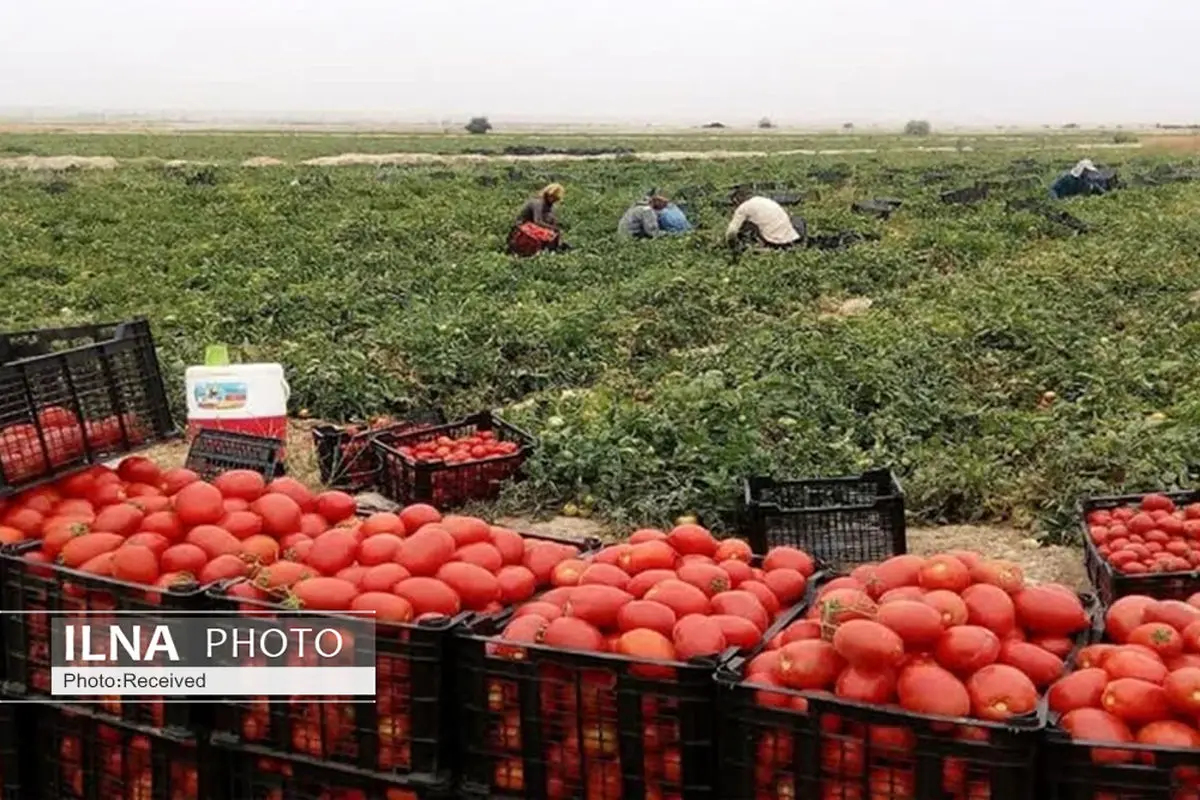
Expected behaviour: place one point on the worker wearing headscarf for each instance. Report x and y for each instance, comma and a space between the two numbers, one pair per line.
537, 225
1079, 179
763, 221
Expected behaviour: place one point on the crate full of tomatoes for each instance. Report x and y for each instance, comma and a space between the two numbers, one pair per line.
1143, 544
141, 539
603, 687
420, 574
70, 397
1127, 718
913, 679
448, 465
344, 454
80, 755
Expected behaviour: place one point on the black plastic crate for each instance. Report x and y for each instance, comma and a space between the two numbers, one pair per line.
842, 522
1070, 773
71, 397
826, 752
554, 723
252, 773
405, 480
345, 456
40, 587
879, 207
14, 726
407, 730
79, 755
967, 195
1111, 584
215, 451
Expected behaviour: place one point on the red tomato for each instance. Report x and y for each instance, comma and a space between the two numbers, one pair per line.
135, 564
199, 504
295, 490
324, 594
1082, 689
999, 691
967, 648
332, 551
280, 513
336, 506
242, 484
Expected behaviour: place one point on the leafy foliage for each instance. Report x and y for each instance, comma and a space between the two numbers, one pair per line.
659, 373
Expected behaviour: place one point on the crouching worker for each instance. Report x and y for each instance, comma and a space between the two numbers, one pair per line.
760, 220
640, 220
537, 225
1083, 178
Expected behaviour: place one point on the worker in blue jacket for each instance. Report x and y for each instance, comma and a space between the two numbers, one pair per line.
1083, 178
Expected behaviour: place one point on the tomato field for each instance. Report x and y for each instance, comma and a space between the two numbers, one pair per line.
1004, 367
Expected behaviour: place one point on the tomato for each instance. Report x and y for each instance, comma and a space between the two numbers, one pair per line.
517, 584
682, 598
157, 543
918, 624
1135, 701
485, 555
183, 557
1042, 666
808, 664
122, 519
952, 607
414, 517
474, 585
733, 550
222, 568
324, 594
1082, 689
425, 551
56, 533
966, 648
1159, 637
645, 581
868, 645
990, 607
135, 564
280, 513
1127, 662
647, 556
789, 558
569, 633
929, 689
788, 585
387, 607
26, 520
1191, 637
467, 530
242, 524
509, 545
738, 603
175, 479
164, 523
999, 691
542, 557
1124, 615
214, 541
382, 577
297, 491
332, 551
382, 522
1157, 502
944, 572
260, 550
82, 549
709, 578
646, 645
866, 686
336, 506
428, 596
1050, 611
695, 635
282, 575
840, 605
199, 504
1183, 691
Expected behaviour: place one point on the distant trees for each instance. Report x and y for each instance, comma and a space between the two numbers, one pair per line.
765, 123
1124, 137
1070, 126
714, 125
917, 127
849, 126
479, 125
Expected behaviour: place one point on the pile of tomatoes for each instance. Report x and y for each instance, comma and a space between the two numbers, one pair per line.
157, 532
1152, 537
355, 465
953, 635
463, 468
1142, 686
656, 599
23, 456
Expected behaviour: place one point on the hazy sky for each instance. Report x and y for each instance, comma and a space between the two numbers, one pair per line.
951, 61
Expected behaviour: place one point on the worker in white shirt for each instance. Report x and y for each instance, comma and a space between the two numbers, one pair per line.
761, 220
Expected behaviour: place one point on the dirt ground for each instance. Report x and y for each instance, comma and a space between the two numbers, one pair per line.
1042, 564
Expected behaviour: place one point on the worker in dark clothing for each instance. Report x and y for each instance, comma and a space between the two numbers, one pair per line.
1083, 178
537, 225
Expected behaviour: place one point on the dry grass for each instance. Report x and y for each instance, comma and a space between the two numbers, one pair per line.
1173, 144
